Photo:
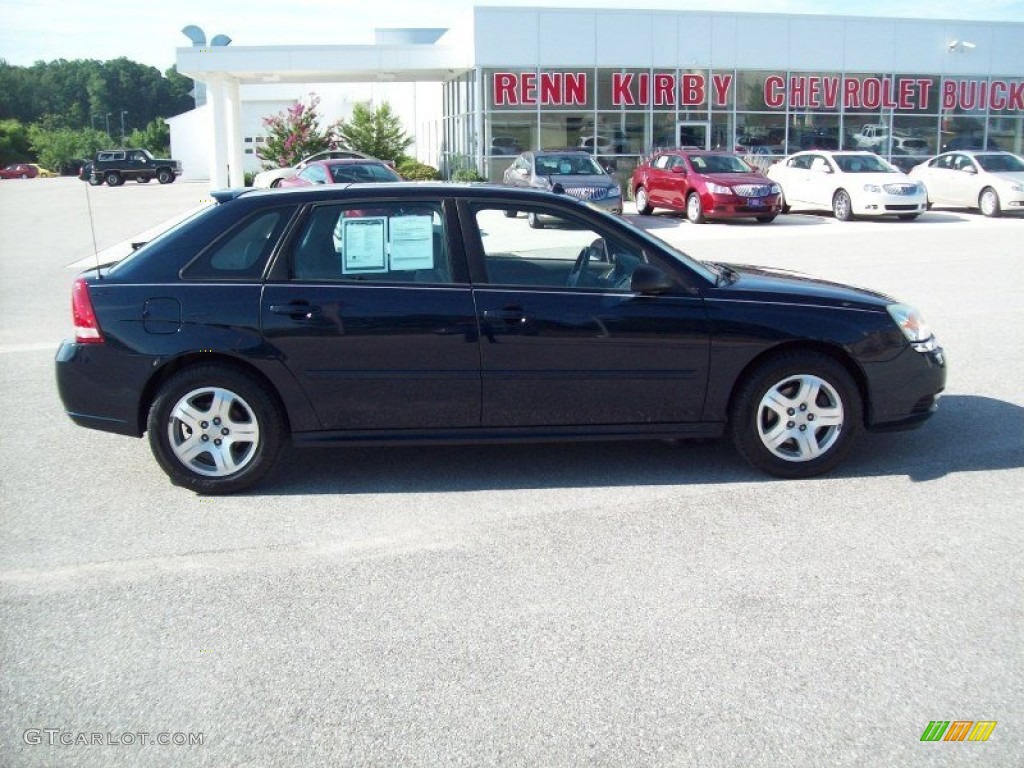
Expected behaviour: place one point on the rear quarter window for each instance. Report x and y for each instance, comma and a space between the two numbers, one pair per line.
242, 253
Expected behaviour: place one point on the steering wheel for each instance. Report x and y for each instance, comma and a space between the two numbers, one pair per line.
575, 279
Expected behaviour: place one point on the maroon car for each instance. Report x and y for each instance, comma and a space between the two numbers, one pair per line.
706, 185
347, 171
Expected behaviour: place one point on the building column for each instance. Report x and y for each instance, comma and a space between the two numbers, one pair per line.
215, 99
235, 154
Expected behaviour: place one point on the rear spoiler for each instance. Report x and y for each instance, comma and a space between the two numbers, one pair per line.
226, 195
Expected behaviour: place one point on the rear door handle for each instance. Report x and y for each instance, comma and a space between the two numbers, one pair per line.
299, 310
515, 315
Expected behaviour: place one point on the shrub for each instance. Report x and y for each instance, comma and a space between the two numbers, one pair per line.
467, 174
416, 171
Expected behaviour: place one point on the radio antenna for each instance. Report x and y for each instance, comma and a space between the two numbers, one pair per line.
92, 228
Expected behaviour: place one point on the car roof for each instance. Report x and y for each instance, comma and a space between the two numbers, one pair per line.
348, 161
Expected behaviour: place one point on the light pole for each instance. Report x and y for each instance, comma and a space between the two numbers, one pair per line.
108, 123
123, 113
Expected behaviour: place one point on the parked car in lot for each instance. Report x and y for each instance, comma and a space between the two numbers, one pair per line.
992, 182
342, 172
25, 171
571, 172
405, 313
850, 184
273, 177
706, 185
116, 166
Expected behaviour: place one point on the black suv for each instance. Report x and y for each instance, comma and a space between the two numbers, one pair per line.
116, 166
400, 313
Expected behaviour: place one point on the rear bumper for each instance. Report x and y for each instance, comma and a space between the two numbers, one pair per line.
100, 388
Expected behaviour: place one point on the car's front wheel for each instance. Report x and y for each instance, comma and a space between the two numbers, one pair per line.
214, 429
988, 202
796, 415
165, 176
765, 219
842, 206
643, 204
694, 209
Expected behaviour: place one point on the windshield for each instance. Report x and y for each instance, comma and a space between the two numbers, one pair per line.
862, 164
719, 164
567, 165
1000, 163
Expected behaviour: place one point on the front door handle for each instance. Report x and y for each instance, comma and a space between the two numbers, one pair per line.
299, 310
514, 315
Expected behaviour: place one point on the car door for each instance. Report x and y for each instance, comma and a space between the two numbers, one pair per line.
822, 181
962, 184
794, 178
564, 341
656, 178
370, 308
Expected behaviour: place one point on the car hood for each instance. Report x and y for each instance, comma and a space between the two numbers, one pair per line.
878, 178
771, 284
1007, 177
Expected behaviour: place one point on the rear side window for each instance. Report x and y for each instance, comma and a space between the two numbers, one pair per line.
243, 252
379, 242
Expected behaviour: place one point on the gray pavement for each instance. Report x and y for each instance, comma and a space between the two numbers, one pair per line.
622, 604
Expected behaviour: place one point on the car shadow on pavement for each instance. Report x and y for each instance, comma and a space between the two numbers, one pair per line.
967, 434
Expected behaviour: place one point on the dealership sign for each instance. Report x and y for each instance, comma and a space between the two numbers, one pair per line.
665, 89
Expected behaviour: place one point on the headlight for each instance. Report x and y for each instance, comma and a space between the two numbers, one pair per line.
776, 189
913, 326
872, 188
718, 189
1017, 187
614, 192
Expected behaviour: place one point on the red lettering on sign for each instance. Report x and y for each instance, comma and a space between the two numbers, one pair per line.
1016, 96
924, 87
851, 93
691, 90
830, 86
575, 88
528, 88
504, 89
621, 93
797, 92
550, 87
663, 87
774, 87
906, 88
644, 81
871, 92
722, 84
949, 95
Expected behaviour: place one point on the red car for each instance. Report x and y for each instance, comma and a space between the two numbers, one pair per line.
342, 172
706, 185
24, 171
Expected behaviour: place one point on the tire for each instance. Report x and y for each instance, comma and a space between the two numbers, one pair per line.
784, 205
842, 206
275, 183
643, 205
242, 404
23, 176
908, 216
765, 219
95, 181
511, 214
113, 179
165, 176
988, 202
534, 221
694, 209
144, 179
796, 415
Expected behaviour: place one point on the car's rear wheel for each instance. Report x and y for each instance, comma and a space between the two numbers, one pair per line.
95, 181
796, 415
275, 183
23, 176
694, 209
214, 429
534, 221
165, 176
113, 179
842, 206
765, 219
988, 202
643, 204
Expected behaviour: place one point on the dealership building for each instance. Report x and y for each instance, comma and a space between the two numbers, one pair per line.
619, 83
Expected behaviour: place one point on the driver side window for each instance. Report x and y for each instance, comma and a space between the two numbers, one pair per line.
552, 251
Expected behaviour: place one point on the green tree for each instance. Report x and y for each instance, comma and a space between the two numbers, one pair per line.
156, 137
292, 135
377, 132
14, 143
61, 149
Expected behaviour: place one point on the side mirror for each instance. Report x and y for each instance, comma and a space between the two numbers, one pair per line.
649, 279
969, 169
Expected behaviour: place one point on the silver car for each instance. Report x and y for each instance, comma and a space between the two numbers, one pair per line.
569, 172
992, 182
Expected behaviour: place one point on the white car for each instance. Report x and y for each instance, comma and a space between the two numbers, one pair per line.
850, 184
990, 181
274, 177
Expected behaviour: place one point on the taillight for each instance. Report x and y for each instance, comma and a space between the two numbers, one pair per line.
87, 329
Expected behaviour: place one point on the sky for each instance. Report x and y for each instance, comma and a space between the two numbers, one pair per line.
149, 32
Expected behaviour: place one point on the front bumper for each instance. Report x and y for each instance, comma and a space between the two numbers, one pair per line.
885, 204
904, 392
734, 207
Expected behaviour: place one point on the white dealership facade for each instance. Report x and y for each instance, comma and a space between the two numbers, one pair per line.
622, 82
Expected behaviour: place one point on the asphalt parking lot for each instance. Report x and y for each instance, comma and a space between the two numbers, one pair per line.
619, 604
